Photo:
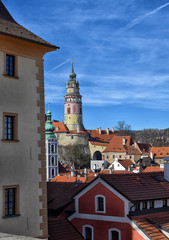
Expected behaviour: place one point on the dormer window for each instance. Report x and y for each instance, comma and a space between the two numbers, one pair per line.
151, 204
144, 205
137, 206
165, 203
100, 204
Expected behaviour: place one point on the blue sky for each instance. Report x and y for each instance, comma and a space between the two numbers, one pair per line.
121, 51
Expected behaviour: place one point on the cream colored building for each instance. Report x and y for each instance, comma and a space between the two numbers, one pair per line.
23, 193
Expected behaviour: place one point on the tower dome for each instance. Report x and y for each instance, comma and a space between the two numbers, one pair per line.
49, 128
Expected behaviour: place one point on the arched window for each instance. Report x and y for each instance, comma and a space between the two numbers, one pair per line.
97, 155
114, 234
53, 173
88, 232
100, 203
52, 148
52, 161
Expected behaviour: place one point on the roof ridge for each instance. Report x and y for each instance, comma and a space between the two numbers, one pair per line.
4, 13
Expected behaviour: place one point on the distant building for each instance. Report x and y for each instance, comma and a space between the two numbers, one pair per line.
23, 192
158, 154
52, 167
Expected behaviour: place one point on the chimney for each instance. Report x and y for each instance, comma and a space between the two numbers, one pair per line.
112, 129
107, 130
151, 155
110, 171
100, 132
124, 141
166, 168
72, 174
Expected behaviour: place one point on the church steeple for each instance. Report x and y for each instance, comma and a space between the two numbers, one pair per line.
73, 104
49, 128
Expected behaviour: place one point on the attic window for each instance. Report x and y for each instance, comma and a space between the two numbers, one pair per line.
57, 128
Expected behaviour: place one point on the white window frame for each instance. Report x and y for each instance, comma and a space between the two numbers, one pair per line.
96, 203
84, 232
114, 229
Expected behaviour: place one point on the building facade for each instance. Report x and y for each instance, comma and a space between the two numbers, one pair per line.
73, 104
52, 167
23, 194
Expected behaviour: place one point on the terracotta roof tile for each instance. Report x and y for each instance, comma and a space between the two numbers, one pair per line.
152, 224
139, 186
95, 136
160, 152
9, 26
131, 150
60, 127
153, 169
126, 163
69, 179
62, 229
116, 144
98, 143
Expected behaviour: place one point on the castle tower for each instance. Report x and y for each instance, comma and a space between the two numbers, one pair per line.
51, 149
73, 104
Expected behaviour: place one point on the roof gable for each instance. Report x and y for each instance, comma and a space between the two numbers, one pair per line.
9, 26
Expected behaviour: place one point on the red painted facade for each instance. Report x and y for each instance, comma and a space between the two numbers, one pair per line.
101, 229
114, 205
101, 223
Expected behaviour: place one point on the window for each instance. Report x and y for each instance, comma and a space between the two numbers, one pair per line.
114, 234
11, 201
119, 156
144, 205
68, 110
52, 148
10, 65
88, 232
53, 173
100, 204
151, 204
71, 137
52, 161
10, 127
165, 203
137, 206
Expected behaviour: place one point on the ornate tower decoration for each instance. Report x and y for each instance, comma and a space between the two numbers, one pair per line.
73, 104
51, 149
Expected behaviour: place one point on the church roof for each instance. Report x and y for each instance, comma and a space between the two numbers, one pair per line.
9, 26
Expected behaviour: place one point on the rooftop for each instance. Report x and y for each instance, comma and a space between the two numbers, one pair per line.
140, 186
10, 27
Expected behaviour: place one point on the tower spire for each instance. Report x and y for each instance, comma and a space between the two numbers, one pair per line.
49, 128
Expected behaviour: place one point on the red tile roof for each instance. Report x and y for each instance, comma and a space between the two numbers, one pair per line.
131, 150
116, 144
160, 152
62, 229
139, 186
153, 169
68, 179
95, 136
153, 223
126, 163
98, 143
60, 127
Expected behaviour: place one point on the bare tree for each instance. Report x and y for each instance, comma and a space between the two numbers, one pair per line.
123, 128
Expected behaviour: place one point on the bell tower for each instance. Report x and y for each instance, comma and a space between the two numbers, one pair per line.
73, 104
